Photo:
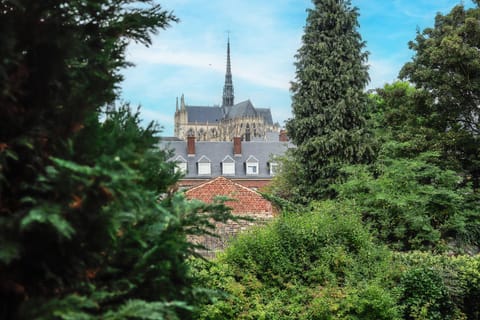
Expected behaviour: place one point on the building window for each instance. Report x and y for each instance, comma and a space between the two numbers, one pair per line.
228, 166
252, 168
252, 165
273, 168
180, 165
204, 166
204, 169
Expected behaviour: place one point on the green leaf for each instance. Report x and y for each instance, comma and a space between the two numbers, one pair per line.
9, 251
48, 215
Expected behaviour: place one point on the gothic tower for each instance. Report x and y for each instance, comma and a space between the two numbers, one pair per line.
228, 87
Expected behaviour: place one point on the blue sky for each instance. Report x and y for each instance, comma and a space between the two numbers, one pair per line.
190, 56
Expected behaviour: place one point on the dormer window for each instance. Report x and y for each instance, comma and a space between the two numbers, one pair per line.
180, 165
273, 168
228, 166
204, 166
252, 165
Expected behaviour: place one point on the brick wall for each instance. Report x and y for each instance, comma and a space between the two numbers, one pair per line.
225, 233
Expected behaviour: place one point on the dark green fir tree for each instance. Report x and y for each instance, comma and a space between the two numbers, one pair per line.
328, 95
90, 226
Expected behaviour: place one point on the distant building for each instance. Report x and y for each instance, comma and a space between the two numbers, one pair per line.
223, 123
251, 164
244, 203
242, 200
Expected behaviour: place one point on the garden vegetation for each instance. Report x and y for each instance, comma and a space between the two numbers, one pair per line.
379, 201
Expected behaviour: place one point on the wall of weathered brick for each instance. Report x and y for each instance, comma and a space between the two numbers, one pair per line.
226, 232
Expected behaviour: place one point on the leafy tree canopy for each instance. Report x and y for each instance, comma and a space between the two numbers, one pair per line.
446, 68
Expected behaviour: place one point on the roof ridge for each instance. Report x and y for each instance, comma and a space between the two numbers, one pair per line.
203, 184
231, 182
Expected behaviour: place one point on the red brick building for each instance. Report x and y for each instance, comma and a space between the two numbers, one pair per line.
245, 202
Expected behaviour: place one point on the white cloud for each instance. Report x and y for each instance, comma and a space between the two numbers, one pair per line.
190, 56
383, 71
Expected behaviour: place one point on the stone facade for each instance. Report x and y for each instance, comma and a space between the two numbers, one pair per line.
218, 125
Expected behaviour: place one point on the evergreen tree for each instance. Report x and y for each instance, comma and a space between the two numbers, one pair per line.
84, 233
329, 101
60, 62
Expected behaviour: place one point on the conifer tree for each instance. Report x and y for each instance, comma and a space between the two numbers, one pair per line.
328, 97
84, 232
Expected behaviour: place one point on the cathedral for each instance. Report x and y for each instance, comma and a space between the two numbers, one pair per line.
223, 123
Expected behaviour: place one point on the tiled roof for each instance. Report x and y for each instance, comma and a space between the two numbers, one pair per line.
217, 151
245, 199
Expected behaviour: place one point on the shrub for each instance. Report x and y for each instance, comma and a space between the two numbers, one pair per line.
318, 265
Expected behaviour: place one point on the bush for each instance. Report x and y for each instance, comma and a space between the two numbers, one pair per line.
440, 286
317, 265
412, 204
425, 295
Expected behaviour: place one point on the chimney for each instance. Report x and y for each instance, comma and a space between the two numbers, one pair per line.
191, 146
282, 137
237, 146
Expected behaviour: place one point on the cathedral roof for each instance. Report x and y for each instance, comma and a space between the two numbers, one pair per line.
266, 113
214, 115
241, 110
204, 114
228, 110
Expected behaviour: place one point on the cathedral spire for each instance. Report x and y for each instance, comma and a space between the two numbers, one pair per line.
228, 87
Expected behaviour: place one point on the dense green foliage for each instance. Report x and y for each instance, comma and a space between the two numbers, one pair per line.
412, 204
439, 286
412, 197
97, 242
325, 265
330, 259
328, 99
320, 265
89, 225
446, 71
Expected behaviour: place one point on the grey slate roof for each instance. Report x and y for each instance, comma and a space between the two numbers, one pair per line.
242, 109
171, 139
204, 114
271, 136
217, 151
245, 108
266, 114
